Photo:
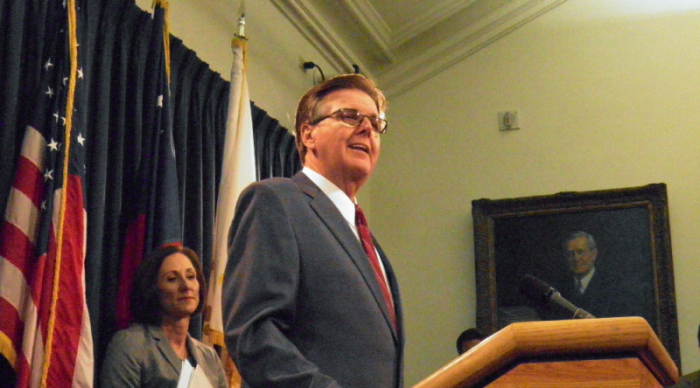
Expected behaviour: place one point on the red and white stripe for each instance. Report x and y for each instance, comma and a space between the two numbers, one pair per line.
32, 309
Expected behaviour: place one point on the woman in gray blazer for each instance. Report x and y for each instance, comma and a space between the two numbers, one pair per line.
156, 350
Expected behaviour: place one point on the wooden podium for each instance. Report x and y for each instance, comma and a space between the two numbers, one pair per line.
590, 353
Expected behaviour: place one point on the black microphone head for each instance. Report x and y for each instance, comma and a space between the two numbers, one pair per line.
535, 289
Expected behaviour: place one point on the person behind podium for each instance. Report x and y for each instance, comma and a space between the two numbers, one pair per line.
468, 339
156, 350
307, 300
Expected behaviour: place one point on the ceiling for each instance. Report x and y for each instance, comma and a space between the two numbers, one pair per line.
400, 43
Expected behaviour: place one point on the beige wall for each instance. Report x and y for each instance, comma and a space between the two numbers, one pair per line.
605, 101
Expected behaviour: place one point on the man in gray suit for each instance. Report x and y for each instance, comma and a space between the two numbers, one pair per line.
304, 305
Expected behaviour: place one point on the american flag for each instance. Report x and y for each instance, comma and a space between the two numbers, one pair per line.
45, 331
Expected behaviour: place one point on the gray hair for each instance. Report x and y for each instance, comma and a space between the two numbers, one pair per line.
590, 242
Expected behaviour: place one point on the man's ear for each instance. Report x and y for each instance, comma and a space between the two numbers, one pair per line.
307, 136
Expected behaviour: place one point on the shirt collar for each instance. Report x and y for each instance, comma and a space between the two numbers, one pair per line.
587, 279
345, 205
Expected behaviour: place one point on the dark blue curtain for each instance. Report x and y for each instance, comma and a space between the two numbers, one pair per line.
114, 65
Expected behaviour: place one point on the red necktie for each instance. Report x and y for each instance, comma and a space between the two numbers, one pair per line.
368, 245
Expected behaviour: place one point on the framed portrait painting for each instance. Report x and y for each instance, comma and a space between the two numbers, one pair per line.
607, 252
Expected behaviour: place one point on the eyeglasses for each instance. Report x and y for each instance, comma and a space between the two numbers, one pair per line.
355, 118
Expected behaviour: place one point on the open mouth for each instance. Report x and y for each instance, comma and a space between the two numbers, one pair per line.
360, 147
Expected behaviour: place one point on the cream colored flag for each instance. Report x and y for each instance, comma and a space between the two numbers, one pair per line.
237, 172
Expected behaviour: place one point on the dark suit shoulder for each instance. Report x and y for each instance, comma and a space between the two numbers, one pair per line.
286, 192
268, 194
271, 187
273, 183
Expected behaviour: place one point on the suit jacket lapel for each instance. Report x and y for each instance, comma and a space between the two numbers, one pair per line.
165, 348
395, 294
331, 217
195, 352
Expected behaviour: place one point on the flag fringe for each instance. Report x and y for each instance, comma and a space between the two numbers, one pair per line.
216, 337
73, 50
7, 350
242, 43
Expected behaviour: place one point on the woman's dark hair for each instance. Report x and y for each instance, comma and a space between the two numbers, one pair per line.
146, 307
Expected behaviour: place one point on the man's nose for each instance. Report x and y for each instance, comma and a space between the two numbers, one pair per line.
365, 125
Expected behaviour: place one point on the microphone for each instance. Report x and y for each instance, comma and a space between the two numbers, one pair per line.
543, 293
